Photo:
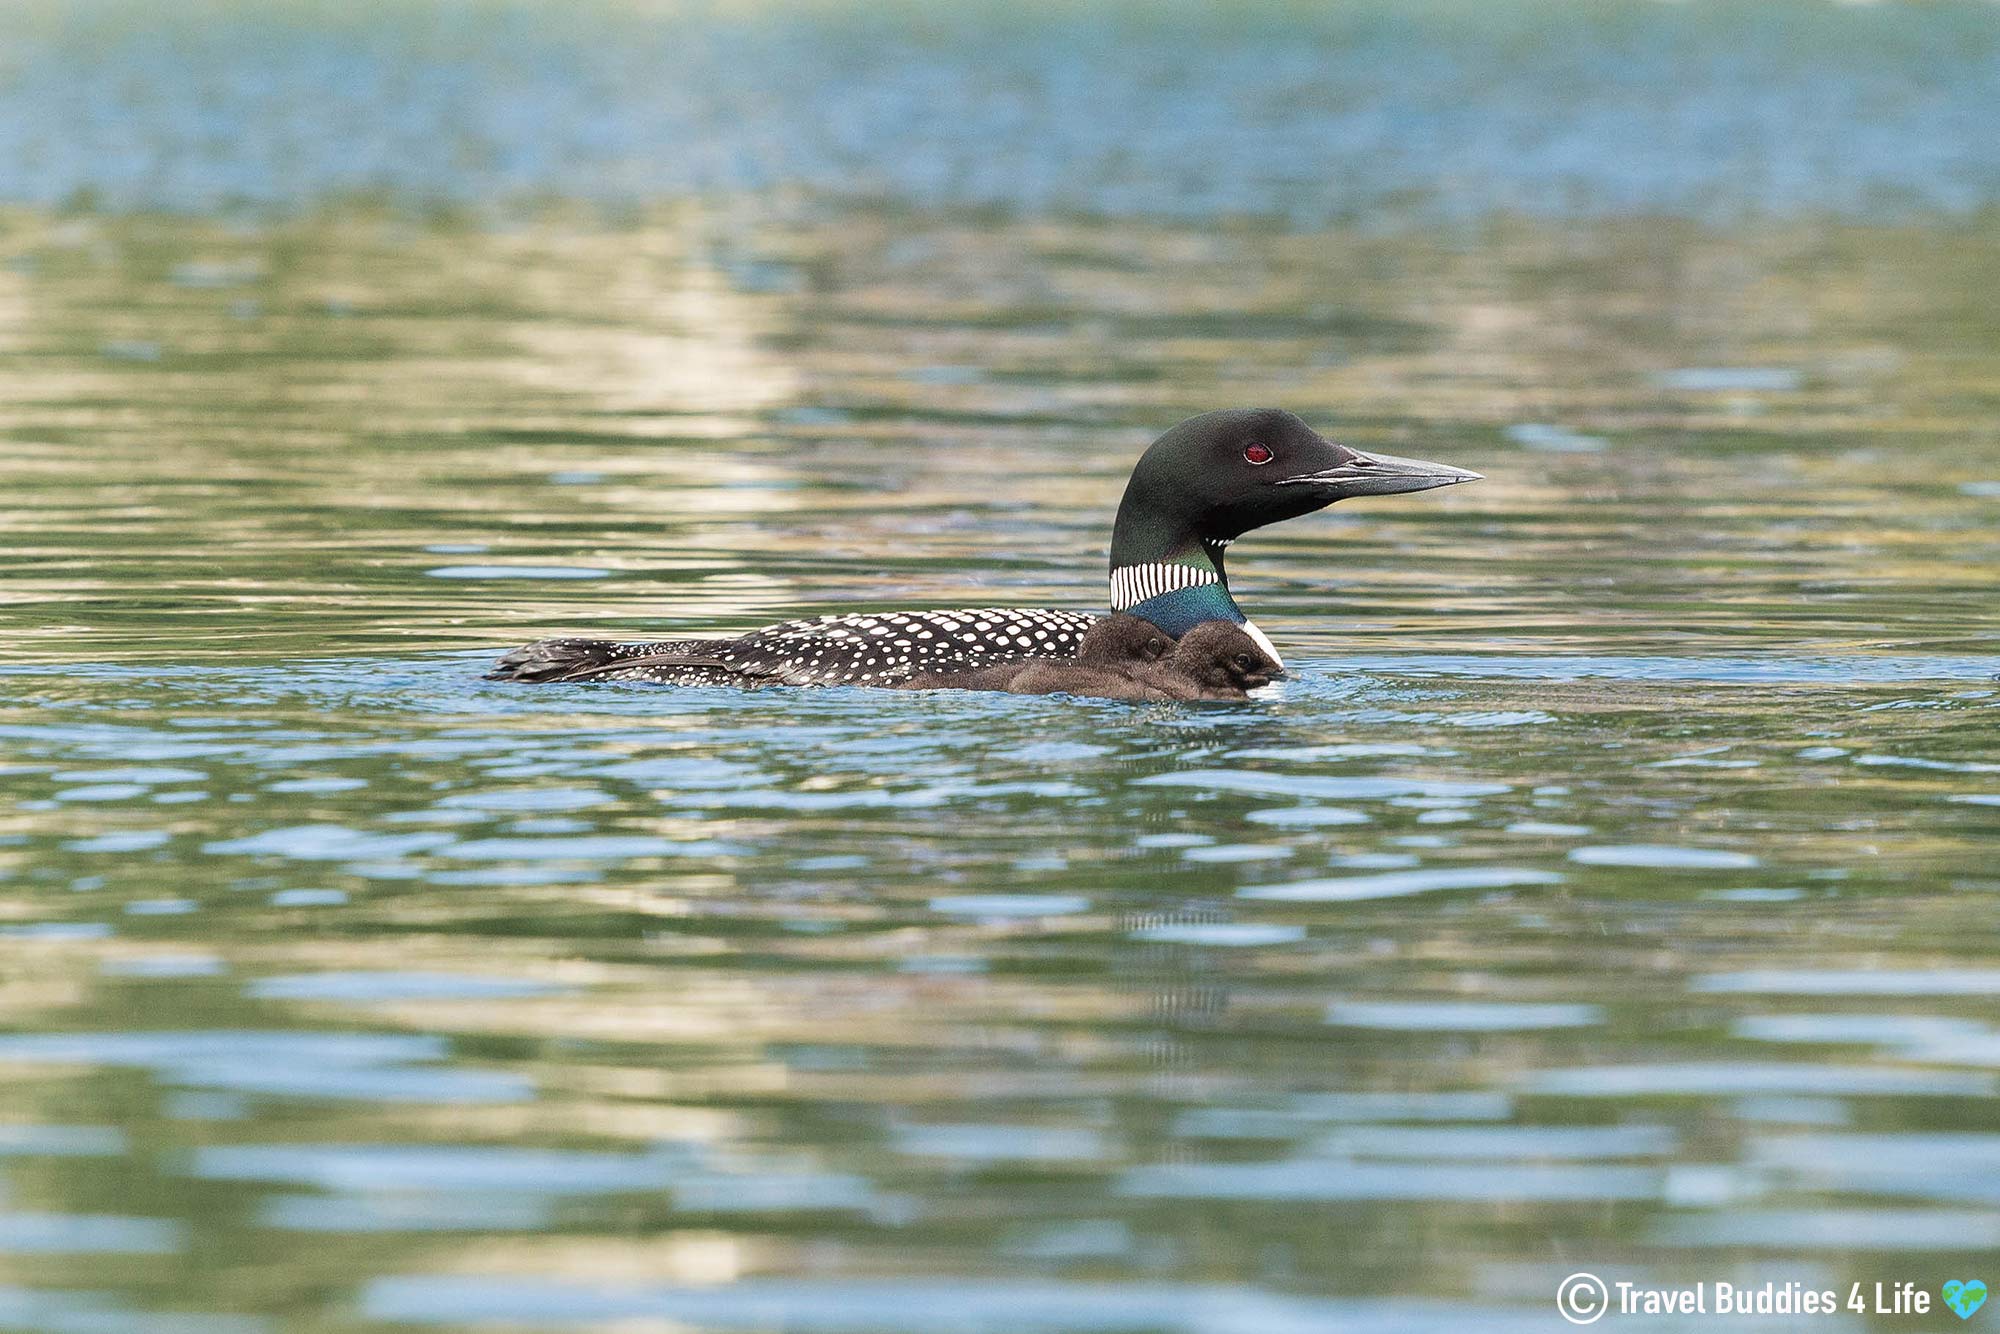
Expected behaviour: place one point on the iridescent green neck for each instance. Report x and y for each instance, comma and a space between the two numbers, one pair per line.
1163, 571
1181, 610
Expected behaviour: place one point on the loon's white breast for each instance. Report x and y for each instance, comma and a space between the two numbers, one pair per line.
1263, 641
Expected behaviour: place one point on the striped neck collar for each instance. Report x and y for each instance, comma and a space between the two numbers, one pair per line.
1194, 564
1178, 595
1178, 590
1134, 584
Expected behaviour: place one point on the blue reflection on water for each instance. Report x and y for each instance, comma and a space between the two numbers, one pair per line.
298, 1063
839, 1305
1371, 110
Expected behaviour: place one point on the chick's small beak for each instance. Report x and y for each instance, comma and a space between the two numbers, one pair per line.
1365, 474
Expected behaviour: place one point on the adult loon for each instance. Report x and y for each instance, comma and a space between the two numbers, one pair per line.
1195, 490
1123, 657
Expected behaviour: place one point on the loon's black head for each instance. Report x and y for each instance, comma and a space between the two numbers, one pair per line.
1221, 655
1217, 476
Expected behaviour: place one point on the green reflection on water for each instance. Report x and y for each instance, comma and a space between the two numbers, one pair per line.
211, 431
1678, 727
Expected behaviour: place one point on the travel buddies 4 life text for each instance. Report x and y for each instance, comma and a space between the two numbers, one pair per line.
1585, 1299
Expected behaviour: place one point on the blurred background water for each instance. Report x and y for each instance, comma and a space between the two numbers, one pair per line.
1610, 889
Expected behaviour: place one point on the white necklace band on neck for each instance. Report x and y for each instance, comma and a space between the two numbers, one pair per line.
1133, 584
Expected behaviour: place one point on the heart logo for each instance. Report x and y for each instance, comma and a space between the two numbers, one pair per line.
1965, 1296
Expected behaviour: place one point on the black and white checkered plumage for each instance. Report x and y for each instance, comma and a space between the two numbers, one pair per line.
869, 648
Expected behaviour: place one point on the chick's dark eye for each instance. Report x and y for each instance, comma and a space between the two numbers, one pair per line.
1258, 454
1243, 661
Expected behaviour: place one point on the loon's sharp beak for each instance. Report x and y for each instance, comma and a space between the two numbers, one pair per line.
1381, 475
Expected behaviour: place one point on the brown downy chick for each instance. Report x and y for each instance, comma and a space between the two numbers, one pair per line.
1221, 661
1110, 648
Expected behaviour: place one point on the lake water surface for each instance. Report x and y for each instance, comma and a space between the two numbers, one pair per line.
1611, 888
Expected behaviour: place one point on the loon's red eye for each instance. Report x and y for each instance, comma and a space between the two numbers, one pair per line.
1258, 454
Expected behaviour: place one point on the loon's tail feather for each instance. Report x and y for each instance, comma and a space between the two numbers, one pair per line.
690, 661
748, 673
583, 659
